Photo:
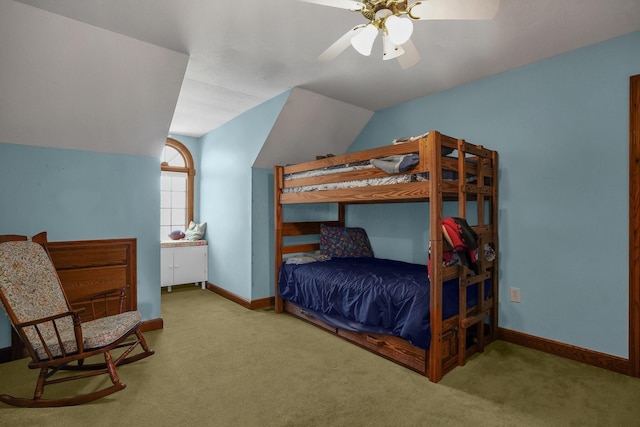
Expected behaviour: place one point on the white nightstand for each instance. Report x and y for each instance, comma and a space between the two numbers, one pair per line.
183, 261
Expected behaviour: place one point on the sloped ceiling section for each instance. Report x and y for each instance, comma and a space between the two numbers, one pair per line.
67, 84
309, 125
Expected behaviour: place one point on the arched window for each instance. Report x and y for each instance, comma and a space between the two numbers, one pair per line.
176, 188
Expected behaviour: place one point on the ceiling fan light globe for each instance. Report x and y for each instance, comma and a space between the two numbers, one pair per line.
363, 41
399, 29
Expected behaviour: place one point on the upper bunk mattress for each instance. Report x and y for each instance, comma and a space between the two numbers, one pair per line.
385, 180
395, 175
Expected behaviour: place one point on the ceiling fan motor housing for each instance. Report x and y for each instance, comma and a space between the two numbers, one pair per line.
371, 7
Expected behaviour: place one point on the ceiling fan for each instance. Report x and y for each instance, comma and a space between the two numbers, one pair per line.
394, 19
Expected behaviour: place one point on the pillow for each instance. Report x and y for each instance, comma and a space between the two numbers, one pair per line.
344, 242
306, 258
396, 164
195, 231
176, 235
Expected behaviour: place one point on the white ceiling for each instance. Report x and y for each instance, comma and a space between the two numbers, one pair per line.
242, 53
310, 125
67, 84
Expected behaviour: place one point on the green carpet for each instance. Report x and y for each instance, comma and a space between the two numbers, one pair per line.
218, 364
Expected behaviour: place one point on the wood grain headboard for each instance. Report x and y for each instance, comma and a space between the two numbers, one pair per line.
88, 267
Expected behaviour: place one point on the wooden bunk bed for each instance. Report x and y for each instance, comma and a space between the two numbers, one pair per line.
450, 170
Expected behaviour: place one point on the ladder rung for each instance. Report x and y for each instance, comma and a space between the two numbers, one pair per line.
472, 280
474, 189
487, 304
465, 323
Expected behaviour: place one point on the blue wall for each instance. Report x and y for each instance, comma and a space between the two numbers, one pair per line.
560, 125
226, 199
262, 231
561, 128
79, 195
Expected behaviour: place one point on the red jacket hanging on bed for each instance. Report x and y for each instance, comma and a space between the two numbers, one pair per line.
460, 240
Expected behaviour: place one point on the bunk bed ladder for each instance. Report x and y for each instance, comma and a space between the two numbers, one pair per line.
466, 191
475, 317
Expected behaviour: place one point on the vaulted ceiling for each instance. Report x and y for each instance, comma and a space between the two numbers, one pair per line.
229, 57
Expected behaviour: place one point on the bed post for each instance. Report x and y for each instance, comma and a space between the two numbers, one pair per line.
462, 288
434, 150
462, 170
277, 219
493, 220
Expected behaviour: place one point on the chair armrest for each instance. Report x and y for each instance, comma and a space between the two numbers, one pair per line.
39, 325
73, 314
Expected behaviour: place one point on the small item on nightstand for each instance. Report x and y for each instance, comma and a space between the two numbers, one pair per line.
176, 235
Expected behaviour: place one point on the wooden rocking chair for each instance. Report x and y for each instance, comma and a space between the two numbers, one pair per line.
32, 296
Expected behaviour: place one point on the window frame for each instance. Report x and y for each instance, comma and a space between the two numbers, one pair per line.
189, 169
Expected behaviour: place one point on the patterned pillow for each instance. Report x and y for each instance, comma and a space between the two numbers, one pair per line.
344, 242
195, 231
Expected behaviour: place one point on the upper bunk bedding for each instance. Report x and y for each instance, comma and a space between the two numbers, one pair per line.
383, 180
397, 171
366, 294
386, 164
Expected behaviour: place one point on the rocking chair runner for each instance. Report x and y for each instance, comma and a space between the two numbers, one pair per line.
33, 298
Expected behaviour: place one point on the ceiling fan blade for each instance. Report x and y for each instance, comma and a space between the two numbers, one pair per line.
455, 9
339, 45
410, 57
342, 4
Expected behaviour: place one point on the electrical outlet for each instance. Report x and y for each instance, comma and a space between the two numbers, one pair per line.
514, 294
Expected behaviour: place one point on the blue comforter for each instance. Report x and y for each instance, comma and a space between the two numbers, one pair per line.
369, 295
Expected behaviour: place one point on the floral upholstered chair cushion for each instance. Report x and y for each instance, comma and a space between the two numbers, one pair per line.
32, 289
